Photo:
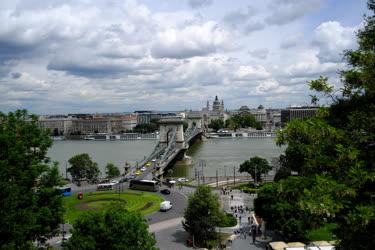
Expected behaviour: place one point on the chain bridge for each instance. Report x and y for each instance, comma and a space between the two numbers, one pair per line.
172, 144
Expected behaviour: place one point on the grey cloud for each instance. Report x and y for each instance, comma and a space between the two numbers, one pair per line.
259, 53
286, 11
162, 51
89, 68
239, 17
253, 26
16, 75
291, 41
195, 4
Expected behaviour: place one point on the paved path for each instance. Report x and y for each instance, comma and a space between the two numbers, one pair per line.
172, 238
160, 226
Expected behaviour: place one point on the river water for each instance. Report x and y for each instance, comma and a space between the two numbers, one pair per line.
221, 154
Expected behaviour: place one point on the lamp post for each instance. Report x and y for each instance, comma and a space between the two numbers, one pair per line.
225, 173
217, 179
202, 163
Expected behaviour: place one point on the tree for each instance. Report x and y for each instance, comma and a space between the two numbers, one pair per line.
114, 228
216, 124
243, 120
112, 170
30, 207
202, 215
278, 204
256, 166
335, 152
82, 167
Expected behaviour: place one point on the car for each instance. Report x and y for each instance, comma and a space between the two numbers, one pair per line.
115, 182
165, 191
143, 169
165, 206
138, 172
182, 179
131, 176
125, 179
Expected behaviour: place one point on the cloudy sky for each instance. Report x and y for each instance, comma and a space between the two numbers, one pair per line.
116, 55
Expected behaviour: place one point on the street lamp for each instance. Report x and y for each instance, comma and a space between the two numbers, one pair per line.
202, 163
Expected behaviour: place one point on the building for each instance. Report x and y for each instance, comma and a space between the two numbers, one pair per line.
260, 115
88, 126
58, 125
292, 113
217, 112
129, 121
145, 117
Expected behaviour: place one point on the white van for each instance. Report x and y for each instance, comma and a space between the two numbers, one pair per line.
165, 206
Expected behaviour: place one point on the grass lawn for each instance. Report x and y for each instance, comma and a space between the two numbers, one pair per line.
322, 233
144, 202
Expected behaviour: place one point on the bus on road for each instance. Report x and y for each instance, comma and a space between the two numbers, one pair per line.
65, 191
144, 185
105, 186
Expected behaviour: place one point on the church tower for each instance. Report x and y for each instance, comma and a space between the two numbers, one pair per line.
216, 105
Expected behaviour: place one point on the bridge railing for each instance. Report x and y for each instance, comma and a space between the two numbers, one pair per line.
157, 152
190, 133
171, 146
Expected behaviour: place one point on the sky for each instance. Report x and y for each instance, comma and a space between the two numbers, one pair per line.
87, 56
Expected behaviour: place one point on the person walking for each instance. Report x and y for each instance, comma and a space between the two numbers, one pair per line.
253, 232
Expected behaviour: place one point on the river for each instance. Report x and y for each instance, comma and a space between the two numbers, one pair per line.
221, 154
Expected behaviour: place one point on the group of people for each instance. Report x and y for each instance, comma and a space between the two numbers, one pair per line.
226, 191
249, 229
239, 209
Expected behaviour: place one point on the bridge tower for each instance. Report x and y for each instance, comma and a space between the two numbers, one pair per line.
194, 119
170, 127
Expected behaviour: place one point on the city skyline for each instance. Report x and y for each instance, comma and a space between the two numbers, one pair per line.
122, 56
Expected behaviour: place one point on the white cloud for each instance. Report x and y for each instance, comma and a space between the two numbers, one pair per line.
332, 39
194, 40
93, 56
245, 73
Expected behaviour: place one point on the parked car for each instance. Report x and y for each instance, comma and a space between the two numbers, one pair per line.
131, 176
143, 169
165, 191
165, 206
115, 181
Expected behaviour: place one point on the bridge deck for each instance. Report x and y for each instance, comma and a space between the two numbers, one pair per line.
164, 155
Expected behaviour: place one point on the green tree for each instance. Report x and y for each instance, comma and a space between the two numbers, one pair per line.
256, 166
335, 151
114, 228
243, 120
112, 170
216, 124
202, 215
30, 207
82, 167
278, 204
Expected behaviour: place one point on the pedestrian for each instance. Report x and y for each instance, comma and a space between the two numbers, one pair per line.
253, 232
231, 196
240, 219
